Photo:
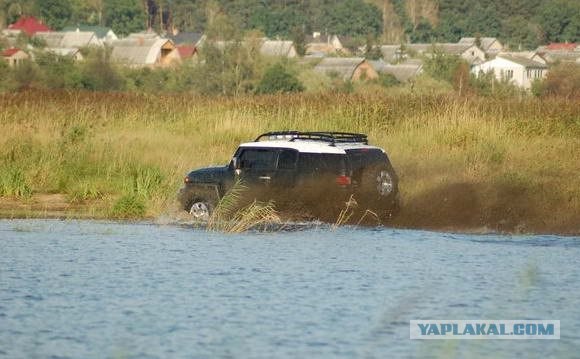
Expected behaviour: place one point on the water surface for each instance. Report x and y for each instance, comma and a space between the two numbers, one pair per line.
82, 289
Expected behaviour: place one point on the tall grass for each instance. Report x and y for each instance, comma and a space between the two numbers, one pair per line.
231, 216
109, 146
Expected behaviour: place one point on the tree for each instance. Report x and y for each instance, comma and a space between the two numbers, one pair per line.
124, 16
560, 20
423, 32
354, 17
277, 79
188, 15
442, 66
299, 39
56, 13
228, 66
11, 10
98, 74
88, 12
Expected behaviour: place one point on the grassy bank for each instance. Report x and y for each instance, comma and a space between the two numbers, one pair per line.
464, 163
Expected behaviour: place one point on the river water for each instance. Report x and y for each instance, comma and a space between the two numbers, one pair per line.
84, 289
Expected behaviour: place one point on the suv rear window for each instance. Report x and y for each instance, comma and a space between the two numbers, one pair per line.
364, 158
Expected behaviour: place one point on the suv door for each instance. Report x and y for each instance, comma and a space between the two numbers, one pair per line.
257, 166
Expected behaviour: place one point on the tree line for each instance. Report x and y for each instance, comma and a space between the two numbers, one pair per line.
518, 23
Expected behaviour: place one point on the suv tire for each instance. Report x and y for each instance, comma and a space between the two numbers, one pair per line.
200, 208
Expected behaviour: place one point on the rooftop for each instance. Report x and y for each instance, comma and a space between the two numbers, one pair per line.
29, 24
344, 67
10, 52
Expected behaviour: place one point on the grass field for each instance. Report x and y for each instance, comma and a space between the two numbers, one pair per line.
464, 163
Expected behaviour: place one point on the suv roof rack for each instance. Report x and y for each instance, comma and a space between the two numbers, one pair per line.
331, 137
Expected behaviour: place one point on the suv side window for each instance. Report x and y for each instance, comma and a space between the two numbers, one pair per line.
287, 159
258, 159
321, 163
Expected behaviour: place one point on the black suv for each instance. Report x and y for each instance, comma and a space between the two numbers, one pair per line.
310, 172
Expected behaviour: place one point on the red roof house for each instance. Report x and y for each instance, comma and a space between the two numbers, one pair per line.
10, 52
561, 46
186, 51
14, 56
29, 25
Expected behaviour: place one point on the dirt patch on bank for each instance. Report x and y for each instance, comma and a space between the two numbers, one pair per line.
49, 206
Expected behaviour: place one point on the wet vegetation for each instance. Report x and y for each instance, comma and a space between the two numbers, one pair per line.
464, 162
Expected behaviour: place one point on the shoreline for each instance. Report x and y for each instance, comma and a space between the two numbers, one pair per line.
56, 207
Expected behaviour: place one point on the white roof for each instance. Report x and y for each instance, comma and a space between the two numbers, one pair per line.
308, 146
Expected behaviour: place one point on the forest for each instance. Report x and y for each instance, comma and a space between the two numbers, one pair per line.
517, 23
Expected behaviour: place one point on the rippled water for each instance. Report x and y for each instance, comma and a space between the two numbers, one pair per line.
84, 289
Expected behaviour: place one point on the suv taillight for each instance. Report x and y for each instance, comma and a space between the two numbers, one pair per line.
343, 180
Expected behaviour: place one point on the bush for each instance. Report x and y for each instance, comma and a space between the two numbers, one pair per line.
98, 74
387, 80
129, 206
442, 66
25, 75
13, 182
562, 80
277, 79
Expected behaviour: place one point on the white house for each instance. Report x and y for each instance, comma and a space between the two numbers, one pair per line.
397, 53
522, 71
319, 45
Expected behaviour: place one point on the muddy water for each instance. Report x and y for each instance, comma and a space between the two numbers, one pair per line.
83, 289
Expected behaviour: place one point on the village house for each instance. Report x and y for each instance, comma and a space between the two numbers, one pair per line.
490, 45
319, 45
393, 53
69, 39
278, 48
347, 68
187, 52
28, 25
145, 50
470, 53
403, 72
560, 52
187, 38
72, 53
397, 53
104, 34
14, 56
519, 69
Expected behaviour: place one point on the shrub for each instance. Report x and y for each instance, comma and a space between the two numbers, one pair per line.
129, 206
387, 80
442, 66
97, 73
562, 80
277, 79
13, 183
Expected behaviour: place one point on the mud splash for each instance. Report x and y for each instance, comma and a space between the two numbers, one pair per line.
452, 207
466, 207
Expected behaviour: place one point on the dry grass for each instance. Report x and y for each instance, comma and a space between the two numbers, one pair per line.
95, 146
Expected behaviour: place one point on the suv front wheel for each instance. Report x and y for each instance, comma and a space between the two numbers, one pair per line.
200, 208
